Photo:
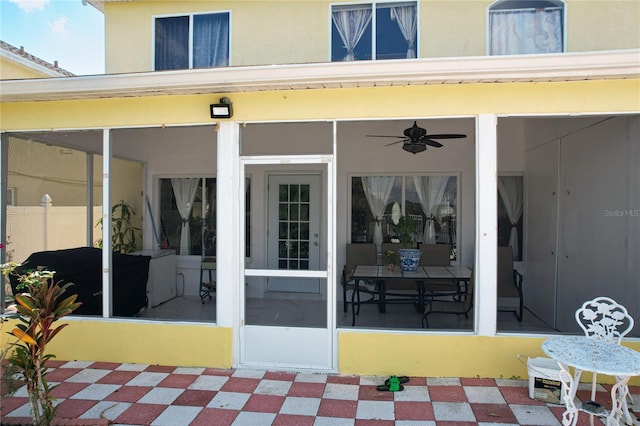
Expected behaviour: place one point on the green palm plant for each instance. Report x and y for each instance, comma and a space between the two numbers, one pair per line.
39, 306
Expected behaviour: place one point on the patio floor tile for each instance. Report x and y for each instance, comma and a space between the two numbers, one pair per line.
129, 394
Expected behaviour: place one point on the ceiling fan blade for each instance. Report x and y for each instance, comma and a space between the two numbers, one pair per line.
447, 136
385, 136
393, 143
432, 143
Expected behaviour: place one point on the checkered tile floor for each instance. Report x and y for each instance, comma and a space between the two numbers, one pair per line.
133, 394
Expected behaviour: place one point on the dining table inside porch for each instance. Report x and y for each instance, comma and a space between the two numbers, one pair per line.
385, 283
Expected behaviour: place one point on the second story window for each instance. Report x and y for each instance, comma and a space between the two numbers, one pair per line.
374, 31
526, 26
193, 41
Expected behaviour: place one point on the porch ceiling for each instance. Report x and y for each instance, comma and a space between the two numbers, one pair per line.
623, 64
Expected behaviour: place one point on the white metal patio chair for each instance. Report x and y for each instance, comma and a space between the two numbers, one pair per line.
604, 319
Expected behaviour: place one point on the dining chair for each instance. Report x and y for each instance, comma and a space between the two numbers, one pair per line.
509, 282
458, 306
434, 254
603, 318
356, 254
438, 255
207, 264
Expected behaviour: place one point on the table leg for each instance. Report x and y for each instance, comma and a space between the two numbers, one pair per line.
421, 297
354, 292
570, 415
619, 393
381, 294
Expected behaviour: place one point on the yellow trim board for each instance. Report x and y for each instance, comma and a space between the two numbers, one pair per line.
610, 96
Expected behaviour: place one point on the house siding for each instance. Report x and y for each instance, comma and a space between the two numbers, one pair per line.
286, 32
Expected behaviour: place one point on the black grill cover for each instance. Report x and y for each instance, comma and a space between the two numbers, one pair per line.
83, 267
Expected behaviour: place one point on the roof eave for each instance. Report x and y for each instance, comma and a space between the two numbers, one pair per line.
623, 64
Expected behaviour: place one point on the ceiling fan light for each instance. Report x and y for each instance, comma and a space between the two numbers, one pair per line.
414, 148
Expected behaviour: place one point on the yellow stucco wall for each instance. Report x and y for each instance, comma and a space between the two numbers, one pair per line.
363, 353
194, 345
264, 32
10, 70
590, 24
388, 102
428, 355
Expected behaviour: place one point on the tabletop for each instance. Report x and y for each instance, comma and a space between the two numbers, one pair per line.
422, 273
589, 354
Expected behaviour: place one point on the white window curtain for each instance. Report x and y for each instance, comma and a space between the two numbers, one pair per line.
407, 21
377, 190
510, 189
184, 189
431, 191
525, 31
351, 22
211, 40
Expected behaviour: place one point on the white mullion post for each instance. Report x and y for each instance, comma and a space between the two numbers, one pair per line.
229, 257
190, 41
107, 254
4, 173
89, 200
332, 269
485, 258
374, 26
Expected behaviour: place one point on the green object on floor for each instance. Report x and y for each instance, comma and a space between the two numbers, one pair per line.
394, 384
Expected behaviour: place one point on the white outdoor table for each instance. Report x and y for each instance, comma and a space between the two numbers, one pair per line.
590, 354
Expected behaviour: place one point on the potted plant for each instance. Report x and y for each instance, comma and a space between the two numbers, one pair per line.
405, 230
390, 259
38, 307
124, 236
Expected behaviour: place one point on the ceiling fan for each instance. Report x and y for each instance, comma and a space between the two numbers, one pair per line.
415, 139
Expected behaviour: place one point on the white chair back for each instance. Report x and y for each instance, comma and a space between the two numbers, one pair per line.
605, 319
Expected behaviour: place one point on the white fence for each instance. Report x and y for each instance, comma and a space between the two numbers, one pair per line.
38, 228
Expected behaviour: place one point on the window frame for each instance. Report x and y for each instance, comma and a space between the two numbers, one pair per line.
374, 7
403, 195
203, 177
191, 16
495, 7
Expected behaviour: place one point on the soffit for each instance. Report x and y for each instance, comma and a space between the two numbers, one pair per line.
623, 64
99, 4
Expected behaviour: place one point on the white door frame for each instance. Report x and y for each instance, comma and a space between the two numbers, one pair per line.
323, 355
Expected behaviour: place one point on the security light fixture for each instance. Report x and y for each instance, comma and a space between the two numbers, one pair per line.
222, 109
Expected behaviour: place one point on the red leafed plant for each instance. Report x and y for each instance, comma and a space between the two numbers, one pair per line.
38, 306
